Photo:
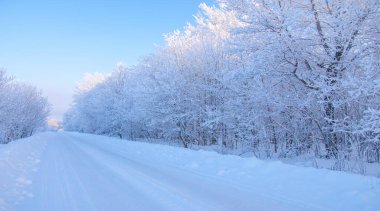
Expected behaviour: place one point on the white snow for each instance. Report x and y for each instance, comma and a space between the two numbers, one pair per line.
72, 171
18, 162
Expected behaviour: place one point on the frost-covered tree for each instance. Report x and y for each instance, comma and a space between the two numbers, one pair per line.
276, 78
310, 49
23, 109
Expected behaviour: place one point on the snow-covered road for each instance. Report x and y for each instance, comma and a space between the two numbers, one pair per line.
85, 172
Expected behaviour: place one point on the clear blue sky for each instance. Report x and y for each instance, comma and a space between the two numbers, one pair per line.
52, 43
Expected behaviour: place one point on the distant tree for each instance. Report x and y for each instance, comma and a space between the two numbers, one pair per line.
22, 110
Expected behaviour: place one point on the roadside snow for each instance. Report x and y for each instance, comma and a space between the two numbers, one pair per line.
88, 172
18, 161
316, 189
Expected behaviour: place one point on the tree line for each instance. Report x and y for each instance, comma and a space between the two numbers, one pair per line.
275, 78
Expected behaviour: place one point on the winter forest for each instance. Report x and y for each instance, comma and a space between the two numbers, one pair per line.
277, 79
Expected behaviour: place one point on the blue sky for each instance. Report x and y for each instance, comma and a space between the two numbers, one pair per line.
52, 43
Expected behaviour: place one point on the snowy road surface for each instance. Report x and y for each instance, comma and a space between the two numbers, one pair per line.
71, 171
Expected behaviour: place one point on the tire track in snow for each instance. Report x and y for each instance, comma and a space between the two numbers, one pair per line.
78, 174
225, 198
72, 180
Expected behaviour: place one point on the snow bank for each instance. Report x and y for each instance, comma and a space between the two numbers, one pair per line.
18, 160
